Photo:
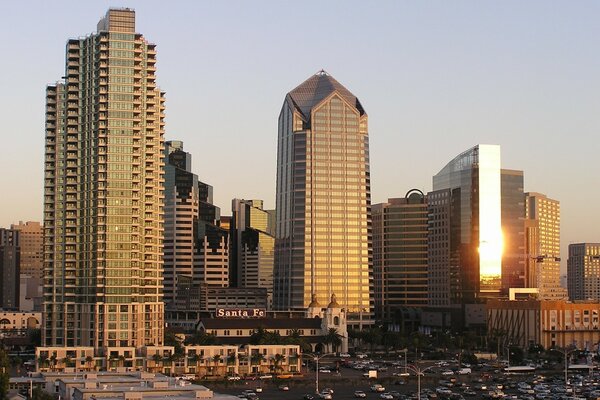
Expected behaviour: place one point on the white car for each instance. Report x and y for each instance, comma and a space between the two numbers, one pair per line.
377, 388
447, 372
359, 394
386, 396
344, 355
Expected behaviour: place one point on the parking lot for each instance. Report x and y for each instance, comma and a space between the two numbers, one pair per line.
441, 380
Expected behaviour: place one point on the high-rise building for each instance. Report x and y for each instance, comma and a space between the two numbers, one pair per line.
10, 255
465, 249
181, 218
513, 229
252, 245
103, 193
212, 245
583, 271
543, 246
32, 248
465, 239
196, 249
323, 199
400, 229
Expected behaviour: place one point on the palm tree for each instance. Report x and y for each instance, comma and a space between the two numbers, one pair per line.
43, 361
216, 359
419, 341
278, 359
333, 338
157, 358
257, 359
53, 360
259, 336
89, 360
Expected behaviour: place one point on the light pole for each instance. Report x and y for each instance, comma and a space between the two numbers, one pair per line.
566, 353
508, 354
417, 370
317, 358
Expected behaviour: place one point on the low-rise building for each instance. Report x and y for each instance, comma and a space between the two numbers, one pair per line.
551, 323
19, 321
114, 386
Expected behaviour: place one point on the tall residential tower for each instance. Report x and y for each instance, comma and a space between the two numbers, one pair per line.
543, 245
103, 193
323, 234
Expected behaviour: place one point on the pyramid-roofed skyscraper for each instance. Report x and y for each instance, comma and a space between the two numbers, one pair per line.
323, 235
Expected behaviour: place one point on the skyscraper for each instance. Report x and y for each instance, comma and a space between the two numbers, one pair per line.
196, 249
400, 230
181, 218
543, 245
513, 229
252, 245
583, 271
10, 260
103, 193
323, 198
466, 242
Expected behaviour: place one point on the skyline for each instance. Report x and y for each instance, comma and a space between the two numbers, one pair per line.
466, 74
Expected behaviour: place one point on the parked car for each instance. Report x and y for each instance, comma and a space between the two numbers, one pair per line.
360, 394
266, 376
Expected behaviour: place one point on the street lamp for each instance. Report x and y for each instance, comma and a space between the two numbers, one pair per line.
508, 354
417, 370
317, 358
566, 353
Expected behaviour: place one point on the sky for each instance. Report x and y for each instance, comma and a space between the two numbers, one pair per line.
435, 77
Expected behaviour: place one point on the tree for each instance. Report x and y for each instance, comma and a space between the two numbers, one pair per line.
4, 378
333, 338
372, 336
158, 361
201, 338
89, 360
278, 359
35, 337
257, 359
53, 360
216, 359
172, 340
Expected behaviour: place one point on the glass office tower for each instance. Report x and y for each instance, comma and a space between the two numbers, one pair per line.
466, 233
323, 244
103, 193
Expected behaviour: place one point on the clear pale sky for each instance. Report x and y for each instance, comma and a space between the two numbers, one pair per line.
435, 77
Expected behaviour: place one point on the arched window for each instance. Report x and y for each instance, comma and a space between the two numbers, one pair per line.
336, 320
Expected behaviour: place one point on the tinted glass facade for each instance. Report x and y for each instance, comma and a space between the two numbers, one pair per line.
468, 245
323, 198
